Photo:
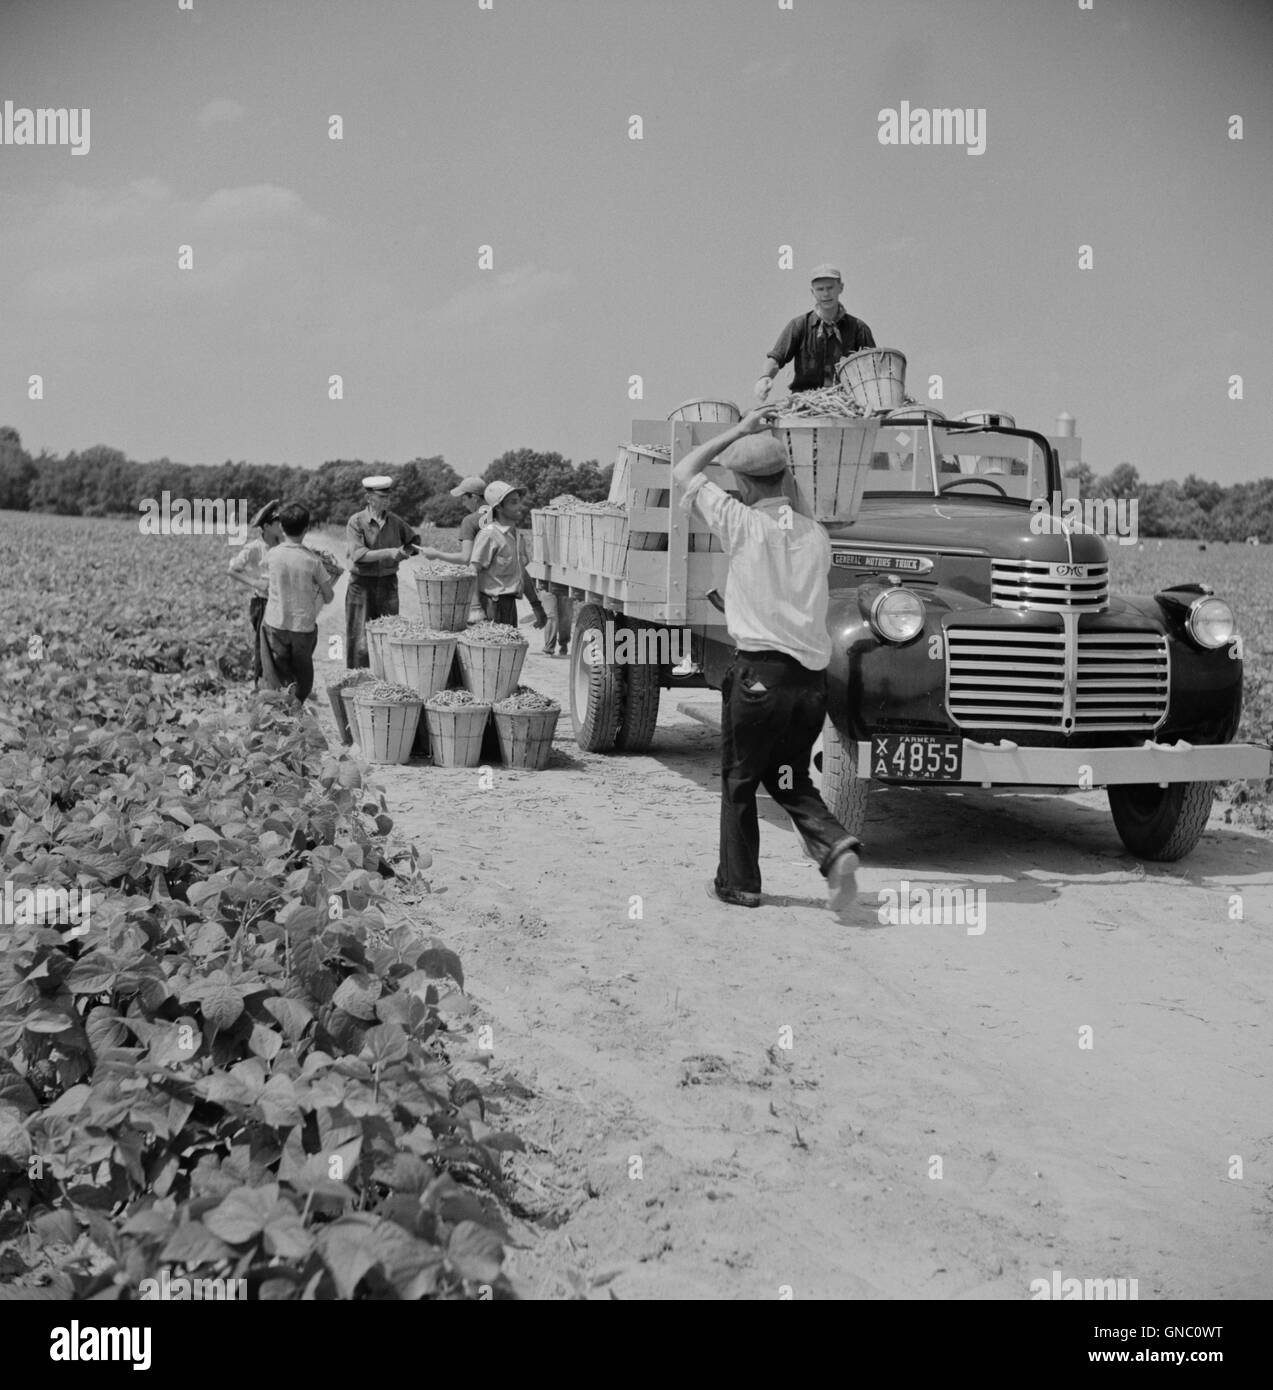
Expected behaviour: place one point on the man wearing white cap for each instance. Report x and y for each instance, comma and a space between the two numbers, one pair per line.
774, 696
376, 542
816, 341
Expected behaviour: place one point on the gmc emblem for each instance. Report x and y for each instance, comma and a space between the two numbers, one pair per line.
1071, 571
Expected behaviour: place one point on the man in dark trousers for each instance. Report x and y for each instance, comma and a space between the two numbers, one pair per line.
377, 541
816, 341
774, 697
250, 567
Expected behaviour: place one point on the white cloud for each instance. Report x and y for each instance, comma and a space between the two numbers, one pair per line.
222, 111
499, 295
261, 202
77, 250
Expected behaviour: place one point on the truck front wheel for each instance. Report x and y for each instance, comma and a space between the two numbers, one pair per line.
596, 687
1161, 823
842, 789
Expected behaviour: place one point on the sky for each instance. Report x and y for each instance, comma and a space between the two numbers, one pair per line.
507, 124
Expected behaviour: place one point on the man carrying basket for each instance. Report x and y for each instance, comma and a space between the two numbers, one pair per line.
816, 341
774, 695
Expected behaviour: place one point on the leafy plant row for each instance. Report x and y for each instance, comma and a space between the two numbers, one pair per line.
239, 1070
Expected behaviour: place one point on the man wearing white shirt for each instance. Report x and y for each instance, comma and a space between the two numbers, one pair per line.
250, 567
774, 696
499, 557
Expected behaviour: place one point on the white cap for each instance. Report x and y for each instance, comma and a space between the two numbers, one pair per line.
378, 482
496, 492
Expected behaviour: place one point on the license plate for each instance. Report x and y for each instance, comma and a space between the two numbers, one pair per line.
917, 757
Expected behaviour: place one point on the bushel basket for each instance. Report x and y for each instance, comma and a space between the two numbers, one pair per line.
829, 462
340, 697
445, 600
376, 654
621, 490
526, 736
875, 378
491, 671
347, 697
707, 411
386, 730
423, 664
455, 733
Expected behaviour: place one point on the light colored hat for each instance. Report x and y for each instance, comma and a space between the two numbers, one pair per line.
754, 456
825, 272
466, 487
378, 482
497, 492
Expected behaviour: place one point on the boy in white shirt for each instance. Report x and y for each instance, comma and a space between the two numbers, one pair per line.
250, 567
499, 557
298, 588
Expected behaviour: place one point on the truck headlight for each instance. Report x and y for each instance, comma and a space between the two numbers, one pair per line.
897, 615
1210, 622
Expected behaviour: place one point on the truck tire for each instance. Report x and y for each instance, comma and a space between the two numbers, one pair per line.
842, 789
640, 707
1161, 823
596, 689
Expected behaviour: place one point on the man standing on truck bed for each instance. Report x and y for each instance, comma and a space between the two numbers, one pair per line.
774, 696
816, 340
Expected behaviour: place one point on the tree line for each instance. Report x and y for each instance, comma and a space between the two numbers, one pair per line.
1192, 510
102, 481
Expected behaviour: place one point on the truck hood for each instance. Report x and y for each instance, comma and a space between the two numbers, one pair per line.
962, 526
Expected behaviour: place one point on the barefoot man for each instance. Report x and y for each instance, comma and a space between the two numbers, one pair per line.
774, 696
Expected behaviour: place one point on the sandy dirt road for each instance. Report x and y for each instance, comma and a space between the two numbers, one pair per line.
722, 1103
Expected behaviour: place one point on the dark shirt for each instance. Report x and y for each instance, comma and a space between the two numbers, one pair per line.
371, 548
816, 352
469, 528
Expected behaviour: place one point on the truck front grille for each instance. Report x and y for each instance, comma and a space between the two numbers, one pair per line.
1055, 681
1037, 586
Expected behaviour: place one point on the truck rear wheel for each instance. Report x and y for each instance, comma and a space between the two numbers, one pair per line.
596, 687
640, 706
1161, 823
842, 789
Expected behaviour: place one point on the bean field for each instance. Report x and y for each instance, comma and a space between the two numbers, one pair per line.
241, 1064
254, 1061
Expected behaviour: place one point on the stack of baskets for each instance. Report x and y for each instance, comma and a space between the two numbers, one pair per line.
489, 657
402, 705
591, 536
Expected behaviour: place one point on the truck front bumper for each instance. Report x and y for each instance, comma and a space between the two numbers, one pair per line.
1011, 765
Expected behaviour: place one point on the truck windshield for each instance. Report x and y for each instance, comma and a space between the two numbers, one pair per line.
979, 462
